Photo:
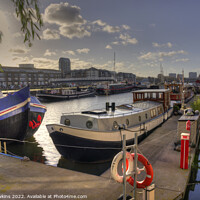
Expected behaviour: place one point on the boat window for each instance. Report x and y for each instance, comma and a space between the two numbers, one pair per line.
67, 122
146, 115
127, 122
139, 118
153, 113
160, 95
89, 124
145, 95
159, 110
115, 125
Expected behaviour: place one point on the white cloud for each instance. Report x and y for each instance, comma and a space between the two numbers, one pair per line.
49, 53
74, 31
108, 47
69, 52
168, 44
99, 23
111, 29
126, 27
125, 39
67, 17
80, 64
45, 63
49, 34
19, 50
63, 14
84, 50
160, 55
182, 60
116, 43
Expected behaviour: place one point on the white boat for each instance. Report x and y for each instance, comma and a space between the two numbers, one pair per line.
64, 94
94, 136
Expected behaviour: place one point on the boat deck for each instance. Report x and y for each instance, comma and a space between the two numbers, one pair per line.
122, 110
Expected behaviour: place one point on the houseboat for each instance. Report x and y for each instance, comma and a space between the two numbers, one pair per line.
179, 92
20, 115
114, 88
94, 136
64, 94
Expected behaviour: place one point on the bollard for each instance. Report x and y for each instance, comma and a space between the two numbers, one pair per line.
149, 192
184, 150
5, 150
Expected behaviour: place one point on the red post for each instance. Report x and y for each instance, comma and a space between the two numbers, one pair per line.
184, 150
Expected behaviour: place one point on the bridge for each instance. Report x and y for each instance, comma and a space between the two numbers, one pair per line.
72, 80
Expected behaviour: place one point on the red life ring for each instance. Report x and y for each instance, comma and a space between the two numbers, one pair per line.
149, 173
114, 166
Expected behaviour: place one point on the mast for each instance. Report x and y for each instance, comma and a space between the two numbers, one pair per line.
114, 68
182, 90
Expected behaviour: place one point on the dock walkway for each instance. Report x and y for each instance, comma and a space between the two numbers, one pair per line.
29, 178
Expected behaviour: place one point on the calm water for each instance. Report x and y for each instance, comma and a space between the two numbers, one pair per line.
193, 189
40, 148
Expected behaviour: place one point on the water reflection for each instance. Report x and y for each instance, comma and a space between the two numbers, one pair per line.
193, 189
92, 168
29, 149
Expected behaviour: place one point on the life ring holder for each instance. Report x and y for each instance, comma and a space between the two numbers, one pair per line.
149, 172
114, 166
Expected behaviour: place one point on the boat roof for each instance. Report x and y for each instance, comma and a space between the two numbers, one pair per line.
151, 90
125, 109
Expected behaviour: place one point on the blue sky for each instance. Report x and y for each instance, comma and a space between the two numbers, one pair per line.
142, 33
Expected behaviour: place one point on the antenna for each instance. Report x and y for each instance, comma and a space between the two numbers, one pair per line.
114, 67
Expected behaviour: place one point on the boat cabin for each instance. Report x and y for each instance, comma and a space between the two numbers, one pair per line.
176, 90
158, 95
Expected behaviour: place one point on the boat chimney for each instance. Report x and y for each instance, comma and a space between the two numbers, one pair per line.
112, 106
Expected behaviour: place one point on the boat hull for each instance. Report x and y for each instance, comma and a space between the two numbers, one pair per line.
86, 150
110, 91
36, 115
14, 127
17, 112
55, 97
92, 146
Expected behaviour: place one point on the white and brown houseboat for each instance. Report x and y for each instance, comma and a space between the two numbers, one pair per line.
94, 136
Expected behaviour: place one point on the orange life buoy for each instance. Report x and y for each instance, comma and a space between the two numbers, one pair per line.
114, 166
149, 172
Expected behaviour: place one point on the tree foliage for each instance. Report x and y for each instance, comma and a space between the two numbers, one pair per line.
29, 14
196, 104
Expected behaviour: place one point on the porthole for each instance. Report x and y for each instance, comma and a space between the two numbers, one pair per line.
127, 122
89, 124
67, 122
115, 125
139, 118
